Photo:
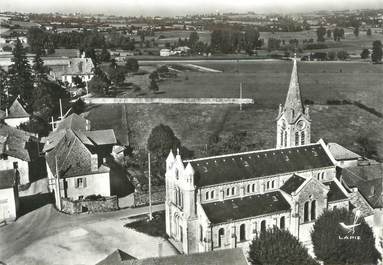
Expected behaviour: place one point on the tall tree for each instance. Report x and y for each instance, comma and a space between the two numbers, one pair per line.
365, 54
356, 31
278, 247
376, 55
321, 32
332, 246
40, 71
20, 76
132, 65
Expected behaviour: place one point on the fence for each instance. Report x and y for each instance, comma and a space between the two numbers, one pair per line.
168, 100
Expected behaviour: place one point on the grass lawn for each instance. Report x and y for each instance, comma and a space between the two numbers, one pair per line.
154, 227
267, 83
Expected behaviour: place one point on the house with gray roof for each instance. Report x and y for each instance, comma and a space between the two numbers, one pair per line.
221, 202
19, 150
75, 158
9, 196
15, 114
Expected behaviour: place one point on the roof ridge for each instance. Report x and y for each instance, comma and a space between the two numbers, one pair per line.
248, 152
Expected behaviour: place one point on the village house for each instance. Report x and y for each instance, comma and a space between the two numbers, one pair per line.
15, 115
227, 256
76, 67
19, 150
75, 158
9, 196
225, 201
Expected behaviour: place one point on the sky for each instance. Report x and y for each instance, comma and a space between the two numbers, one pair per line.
181, 7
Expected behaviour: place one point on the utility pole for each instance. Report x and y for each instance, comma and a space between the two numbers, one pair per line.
150, 190
240, 96
61, 110
58, 185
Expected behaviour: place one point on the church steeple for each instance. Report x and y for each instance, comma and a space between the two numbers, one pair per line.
294, 99
293, 121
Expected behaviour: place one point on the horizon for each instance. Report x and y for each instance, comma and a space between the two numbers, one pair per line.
181, 8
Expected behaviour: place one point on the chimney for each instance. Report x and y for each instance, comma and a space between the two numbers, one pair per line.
6, 112
87, 126
6, 147
93, 162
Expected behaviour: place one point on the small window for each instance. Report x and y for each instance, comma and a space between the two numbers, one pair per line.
200, 233
80, 183
212, 194
242, 232
306, 212
15, 165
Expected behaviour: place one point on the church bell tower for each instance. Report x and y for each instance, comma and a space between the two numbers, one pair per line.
293, 121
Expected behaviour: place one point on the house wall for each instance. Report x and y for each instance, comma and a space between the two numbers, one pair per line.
95, 184
22, 167
15, 122
338, 204
9, 204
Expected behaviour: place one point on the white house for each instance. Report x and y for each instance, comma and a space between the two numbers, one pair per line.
15, 115
75, 160
9, 196
165, 52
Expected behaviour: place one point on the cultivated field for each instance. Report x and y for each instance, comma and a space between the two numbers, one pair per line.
267, 83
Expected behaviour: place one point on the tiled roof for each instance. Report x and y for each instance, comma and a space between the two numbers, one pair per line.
76, 66
73, 121
292, 184
7, 178
341, 153
233, 256
335, 193
236, 167
116, 258
16, 110
102, 137
369, 181
249, 206
73, 158
22, 145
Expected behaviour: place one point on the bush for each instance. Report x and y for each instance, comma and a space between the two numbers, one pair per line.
278, 247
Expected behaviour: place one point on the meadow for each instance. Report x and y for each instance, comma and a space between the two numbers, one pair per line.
267, 83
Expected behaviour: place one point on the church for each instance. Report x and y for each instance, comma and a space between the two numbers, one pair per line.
225, 201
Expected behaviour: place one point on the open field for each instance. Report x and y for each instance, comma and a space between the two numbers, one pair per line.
266, 82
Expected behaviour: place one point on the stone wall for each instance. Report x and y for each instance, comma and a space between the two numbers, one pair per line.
141, 198
80, 206
169, 100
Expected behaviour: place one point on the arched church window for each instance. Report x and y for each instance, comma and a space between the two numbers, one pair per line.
221, 233
212, 194
207, 195
232, 191
248, 188
242, 232
268, 185
272, 184
253, 187
263, 226
227, 191
282, 223
302, 137
296, 138
306, 212
282, 138
313, 210
285, 138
